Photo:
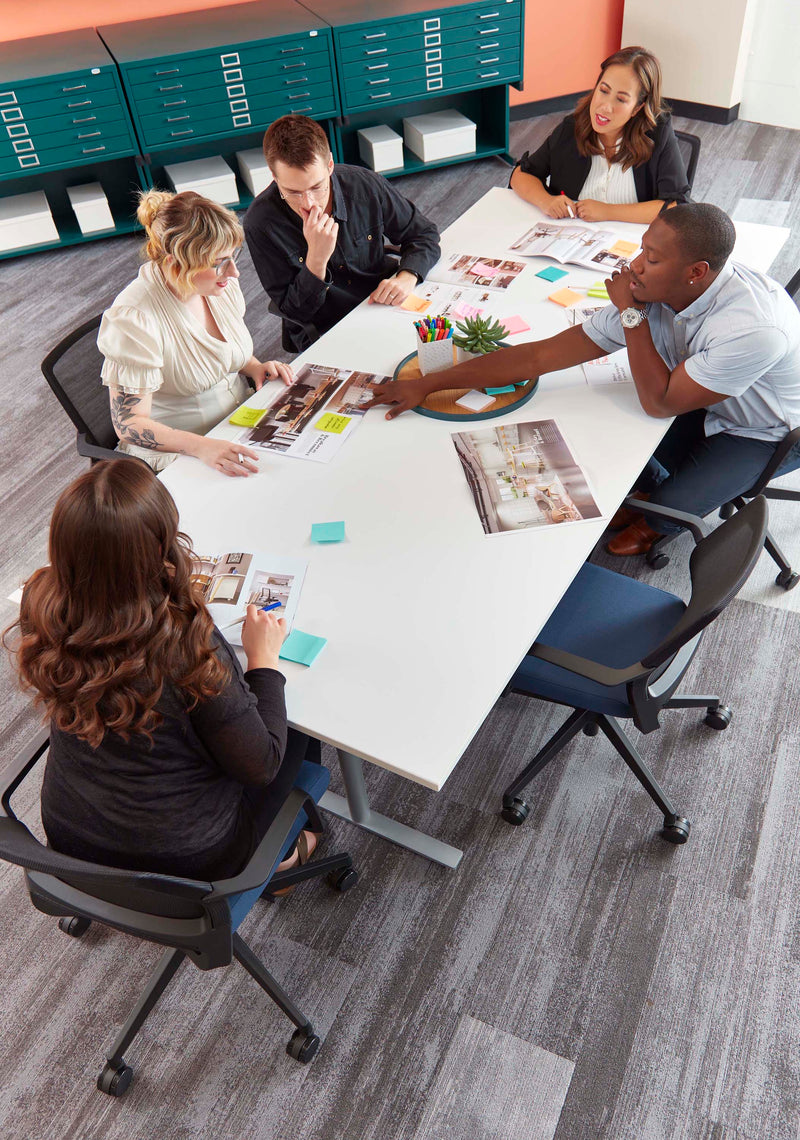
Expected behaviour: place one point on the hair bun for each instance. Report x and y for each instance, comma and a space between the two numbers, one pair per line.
150, 202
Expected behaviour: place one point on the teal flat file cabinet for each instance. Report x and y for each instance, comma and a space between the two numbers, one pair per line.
210, 82
416, 57
64, 122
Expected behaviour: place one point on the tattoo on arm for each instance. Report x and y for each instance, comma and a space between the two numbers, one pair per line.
123, 409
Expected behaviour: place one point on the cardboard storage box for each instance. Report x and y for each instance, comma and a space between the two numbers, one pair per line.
254, 170
381, 148
211, 177
443, 134
91, 207
25, 219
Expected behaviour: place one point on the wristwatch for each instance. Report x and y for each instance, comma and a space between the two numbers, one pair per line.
632, 318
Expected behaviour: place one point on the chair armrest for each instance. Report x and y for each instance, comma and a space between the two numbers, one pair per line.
693, 523
13, 775
95, 451
781, 451
263, 859
583, 667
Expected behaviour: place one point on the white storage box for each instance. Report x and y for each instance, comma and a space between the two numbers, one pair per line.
91, 207
254, 170
25, 219
443, 134
380, 148
211, 177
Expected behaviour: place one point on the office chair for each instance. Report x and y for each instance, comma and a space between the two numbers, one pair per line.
785, 459
195, 920
689, 146
616, 648
72, 369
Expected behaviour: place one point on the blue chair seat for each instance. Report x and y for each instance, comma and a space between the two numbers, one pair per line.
607, 618
313, 779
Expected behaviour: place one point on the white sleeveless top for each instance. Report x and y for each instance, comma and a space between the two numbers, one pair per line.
607, 182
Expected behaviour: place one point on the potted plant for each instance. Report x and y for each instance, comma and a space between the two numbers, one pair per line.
478, 336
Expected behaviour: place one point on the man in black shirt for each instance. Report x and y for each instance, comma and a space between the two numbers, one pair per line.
316, 234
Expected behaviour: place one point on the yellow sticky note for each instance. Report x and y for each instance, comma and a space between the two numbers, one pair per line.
565, 297
415, 304
247, 417
333, 423
623, 248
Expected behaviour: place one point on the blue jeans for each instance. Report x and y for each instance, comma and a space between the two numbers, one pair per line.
693, 472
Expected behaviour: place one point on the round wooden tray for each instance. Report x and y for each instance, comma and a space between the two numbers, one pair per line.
442, 405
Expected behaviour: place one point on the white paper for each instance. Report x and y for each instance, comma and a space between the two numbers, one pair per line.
459, 269
611, 369
573, 244
235, 579
476, 401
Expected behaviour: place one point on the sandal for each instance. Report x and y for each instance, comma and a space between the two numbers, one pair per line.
305, 846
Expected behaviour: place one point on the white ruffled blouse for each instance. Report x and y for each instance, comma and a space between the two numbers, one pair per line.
608, 182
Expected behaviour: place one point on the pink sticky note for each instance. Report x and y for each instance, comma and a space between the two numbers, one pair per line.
465, 310
479, 269
515, 325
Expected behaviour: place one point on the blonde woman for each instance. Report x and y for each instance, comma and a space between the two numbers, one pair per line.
175, 342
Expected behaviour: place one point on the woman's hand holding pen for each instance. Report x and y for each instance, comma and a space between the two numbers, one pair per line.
225, 456
263, 634
588, 210
559, 206
261, 373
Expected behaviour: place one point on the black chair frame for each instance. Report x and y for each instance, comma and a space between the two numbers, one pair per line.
693, 142
191, 918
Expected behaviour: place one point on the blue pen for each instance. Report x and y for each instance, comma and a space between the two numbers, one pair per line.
265, 609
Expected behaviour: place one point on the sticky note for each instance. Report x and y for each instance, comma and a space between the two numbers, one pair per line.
415, 304
521, 383
598, 290
565, 297
304, 648
465, 310
500, 391
247, 417
515, 325
333, 423
475, 401
481, 269
551, 273
623, 248
327, 532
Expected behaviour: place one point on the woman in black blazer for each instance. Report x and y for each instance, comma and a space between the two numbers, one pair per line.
616, 157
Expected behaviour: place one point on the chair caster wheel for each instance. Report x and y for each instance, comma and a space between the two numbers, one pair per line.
591, 729
727, 511
115, 1081
515, 810
343, 880
676, 829
657, 561
303, 1045
74, 925
788, 579
718, 717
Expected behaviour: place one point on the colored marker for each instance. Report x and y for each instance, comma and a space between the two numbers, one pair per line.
569, 208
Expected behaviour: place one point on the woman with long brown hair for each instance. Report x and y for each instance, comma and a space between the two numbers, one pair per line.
163, 756
615, 158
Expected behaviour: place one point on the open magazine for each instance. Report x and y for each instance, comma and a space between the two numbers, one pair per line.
493, 273
313, 417
235, 579
576, 245
523, 476
612, 368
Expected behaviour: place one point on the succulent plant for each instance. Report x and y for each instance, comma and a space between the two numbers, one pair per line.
479, 334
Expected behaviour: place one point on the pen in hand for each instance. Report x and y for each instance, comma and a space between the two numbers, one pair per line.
569, 208
242, 620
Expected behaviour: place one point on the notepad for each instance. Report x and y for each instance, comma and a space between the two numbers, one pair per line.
415, 304
514, 325
623, 248
475, 401
500, 391
304, 648
551, 273
332, 422
565, 297
598, 290
327, 532
247, 417
481, 269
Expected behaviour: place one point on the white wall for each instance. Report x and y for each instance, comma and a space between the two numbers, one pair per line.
771, 86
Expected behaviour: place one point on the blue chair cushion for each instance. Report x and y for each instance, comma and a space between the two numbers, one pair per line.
313, 779
607, 618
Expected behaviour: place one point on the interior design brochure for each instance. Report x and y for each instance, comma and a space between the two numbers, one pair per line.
523, 476
453, 301
235, 579
313, 417
576, 245
495, 273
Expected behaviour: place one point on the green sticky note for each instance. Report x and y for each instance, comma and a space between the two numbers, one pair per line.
551, 273
304, 648
327, 532
499, 391
247, 417
333, 423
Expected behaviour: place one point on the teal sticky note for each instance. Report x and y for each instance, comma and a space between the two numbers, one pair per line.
327, 532
520, 383
304, 648
551, 273
499, 391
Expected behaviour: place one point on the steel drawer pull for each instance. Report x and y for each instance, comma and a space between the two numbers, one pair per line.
377, 51
488, 75
92, 149
381, 95
178, 118
172, 87
172, 71
90, 135
285, 51
376, 66
301, 110
85, 103
488, 31
488, 15
175, 134
494, 59
290, 66
376, 36
77, 87
486, 47
175, 103
299, 95
85, 119
374, 82
300, 79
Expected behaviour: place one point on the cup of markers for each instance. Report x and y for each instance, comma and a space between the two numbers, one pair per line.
434, 344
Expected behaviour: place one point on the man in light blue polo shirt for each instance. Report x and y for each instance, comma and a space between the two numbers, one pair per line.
709, 341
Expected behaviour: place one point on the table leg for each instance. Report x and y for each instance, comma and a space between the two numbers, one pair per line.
356, 808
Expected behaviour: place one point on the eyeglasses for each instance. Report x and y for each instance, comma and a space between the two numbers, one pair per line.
314, 191
219, 266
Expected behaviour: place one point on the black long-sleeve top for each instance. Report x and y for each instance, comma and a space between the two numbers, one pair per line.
176, 805
368, 209
662, 177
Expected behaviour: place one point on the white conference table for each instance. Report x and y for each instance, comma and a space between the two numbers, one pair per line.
426, 617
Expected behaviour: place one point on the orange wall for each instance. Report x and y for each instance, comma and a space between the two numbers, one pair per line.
564, 42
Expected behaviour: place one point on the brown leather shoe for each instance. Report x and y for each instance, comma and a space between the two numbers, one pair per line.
626, 515
635, 539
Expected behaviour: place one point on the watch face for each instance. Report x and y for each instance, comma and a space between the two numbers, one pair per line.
631, 318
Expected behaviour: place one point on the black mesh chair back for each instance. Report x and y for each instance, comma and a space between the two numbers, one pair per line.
72, 369
689, 146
